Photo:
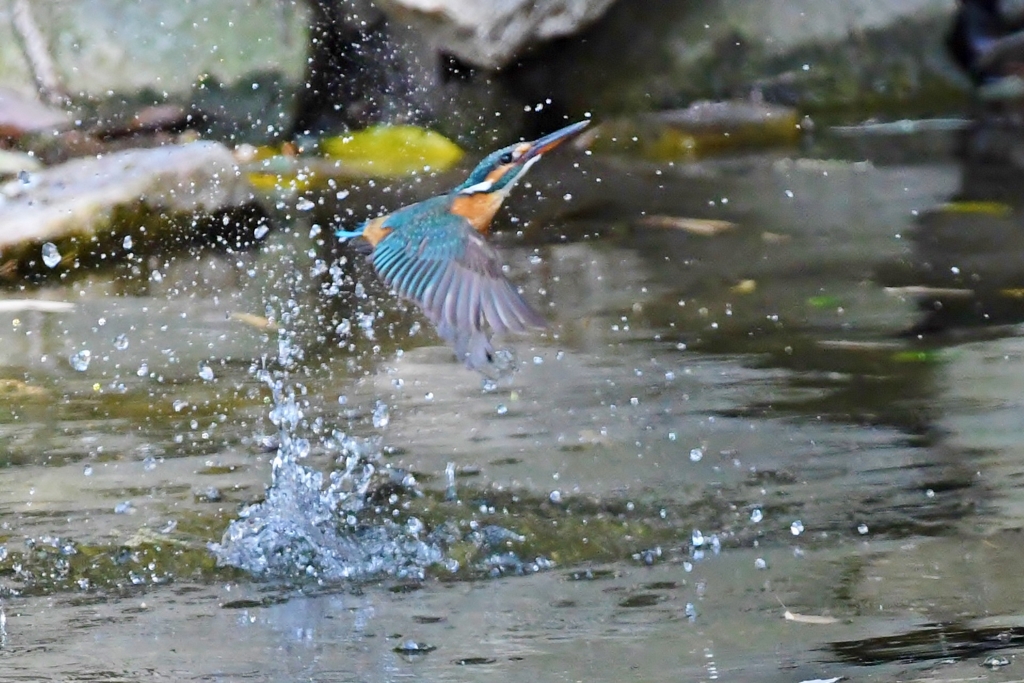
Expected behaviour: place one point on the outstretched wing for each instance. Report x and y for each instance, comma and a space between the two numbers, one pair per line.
455, 276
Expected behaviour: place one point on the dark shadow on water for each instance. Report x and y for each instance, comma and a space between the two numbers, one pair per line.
927, 644
966, 266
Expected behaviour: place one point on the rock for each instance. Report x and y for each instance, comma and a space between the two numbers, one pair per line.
126, 45
13, 163
21, 115
92, 209
659, 54
493, 34
228, 60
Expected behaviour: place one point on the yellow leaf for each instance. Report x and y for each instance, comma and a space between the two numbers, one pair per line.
998, 209
257, 321
944, 292
809, 618
774, 238
268, 171
705, 227
393, 150
744, 287
280, 182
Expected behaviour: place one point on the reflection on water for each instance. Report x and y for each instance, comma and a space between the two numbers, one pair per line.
715, 430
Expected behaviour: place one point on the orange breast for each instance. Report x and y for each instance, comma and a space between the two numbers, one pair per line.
478, 209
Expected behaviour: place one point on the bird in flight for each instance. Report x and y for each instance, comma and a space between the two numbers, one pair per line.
435, 253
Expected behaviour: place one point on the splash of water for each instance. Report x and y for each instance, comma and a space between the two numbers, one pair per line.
309, 527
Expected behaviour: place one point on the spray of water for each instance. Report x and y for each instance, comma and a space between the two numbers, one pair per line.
314, 526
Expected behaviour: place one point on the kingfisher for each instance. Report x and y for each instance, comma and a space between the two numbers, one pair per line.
435, 253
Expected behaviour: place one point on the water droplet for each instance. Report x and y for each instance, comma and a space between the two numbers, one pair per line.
179, 405
429, 396
381, 415
121, 342
87, 470
756, 515
697, 538
537, 360
261, 231
51, 257
690, 611
143, 370
696, 454
862, 528
796, 528
672, 436
80, 361
759, 563
555, 496
123, 508
304, 204
205, 372
502, 409
149, 464
127, 242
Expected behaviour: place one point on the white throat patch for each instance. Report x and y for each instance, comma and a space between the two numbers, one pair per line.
486, 185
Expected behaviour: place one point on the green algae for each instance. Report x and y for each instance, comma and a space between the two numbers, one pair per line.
53, 565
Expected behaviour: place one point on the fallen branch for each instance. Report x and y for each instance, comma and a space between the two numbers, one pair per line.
37, 54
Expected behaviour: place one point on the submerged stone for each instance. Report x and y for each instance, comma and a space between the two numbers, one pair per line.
702, 129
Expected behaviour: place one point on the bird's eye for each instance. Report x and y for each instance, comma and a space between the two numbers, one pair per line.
505, 158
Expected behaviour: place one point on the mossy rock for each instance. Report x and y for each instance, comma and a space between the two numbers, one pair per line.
87, 211
703, 129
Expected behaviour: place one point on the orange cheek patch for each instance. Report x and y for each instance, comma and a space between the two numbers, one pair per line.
478, 209
375, 231
496, 175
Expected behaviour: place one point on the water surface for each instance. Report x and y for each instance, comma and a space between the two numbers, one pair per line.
715, 430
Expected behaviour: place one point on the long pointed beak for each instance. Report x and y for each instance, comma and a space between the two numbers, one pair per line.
552, 140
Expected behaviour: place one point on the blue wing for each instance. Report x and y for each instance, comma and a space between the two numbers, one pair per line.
450, 271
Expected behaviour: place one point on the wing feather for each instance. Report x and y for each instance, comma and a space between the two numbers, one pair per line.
450, 271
